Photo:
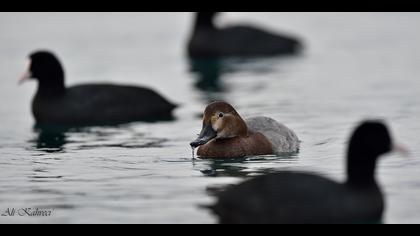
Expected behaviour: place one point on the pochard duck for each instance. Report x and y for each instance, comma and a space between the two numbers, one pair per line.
306, 198
89, 104
226, 135
209, 41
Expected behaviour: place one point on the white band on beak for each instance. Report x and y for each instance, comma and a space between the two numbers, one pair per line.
26, 75
398, 148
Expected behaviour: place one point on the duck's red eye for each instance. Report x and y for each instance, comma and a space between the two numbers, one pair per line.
221, 115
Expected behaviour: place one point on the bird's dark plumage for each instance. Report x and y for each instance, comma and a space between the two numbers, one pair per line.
209, 41
90, 104
291, 197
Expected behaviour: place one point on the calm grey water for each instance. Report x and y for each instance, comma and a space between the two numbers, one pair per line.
355, 66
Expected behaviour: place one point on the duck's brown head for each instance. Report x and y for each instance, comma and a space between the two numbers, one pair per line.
220, 121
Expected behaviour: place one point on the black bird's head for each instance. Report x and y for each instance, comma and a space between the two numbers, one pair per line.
45, 67
205, 19
369, 142
370, 139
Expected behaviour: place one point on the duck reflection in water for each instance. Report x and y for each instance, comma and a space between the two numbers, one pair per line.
242, 167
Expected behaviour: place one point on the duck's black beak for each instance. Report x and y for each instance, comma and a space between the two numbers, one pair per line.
207, 134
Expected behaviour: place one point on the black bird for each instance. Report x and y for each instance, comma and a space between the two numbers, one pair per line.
295, 198
209, 41
90, 104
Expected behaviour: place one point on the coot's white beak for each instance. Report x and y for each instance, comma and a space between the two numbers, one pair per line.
26, 75
400, 149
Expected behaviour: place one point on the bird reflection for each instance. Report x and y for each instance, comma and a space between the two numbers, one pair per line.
51, 139
208, 73
54, 139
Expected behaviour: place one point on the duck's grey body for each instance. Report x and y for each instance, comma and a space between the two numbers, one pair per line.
281, 137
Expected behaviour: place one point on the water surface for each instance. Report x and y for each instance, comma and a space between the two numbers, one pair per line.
355, 66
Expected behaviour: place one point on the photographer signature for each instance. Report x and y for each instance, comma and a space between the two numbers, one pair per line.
32, 212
